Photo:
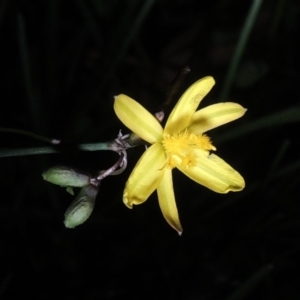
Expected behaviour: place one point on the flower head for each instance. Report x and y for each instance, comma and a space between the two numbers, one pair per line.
182, 144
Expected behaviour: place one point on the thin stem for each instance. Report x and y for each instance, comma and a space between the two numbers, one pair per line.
30, 134
122, 165
112, 170
51, 150
118, 145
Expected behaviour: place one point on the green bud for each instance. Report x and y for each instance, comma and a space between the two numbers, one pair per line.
65, 177
82, 207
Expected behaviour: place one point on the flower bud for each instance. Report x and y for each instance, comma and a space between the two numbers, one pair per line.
65, 177
82, 207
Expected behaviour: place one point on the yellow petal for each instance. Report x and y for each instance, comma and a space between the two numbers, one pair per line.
145, 176
214, 173
215, 115
167, 201
186, 106
137, 119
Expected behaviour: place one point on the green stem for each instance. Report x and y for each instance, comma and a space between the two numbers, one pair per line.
51, 149
30, 134
114, 145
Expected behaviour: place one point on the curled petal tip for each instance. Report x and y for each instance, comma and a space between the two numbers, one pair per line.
129, 205
126, 201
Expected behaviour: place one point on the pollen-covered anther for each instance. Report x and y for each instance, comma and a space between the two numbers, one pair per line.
189, 160
170, 163
203, 142
176, 143
185, 142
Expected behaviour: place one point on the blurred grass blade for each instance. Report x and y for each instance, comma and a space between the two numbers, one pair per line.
52, 27
247, 287
243, 39
124, 44
72, 55
280, 154
31, 135
26, 70
291, 168
277, 18
91, 22
290, 115
129, 37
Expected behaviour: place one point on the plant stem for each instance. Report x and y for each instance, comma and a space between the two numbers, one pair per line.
117, 145
51, 149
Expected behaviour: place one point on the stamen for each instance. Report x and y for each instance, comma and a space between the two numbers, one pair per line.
183, 146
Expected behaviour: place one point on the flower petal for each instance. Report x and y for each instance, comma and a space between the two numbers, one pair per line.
137, 118
215, 115
186, 106
214, 173
167, 201
145, 176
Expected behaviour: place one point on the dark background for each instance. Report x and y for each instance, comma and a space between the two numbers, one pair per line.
61, 64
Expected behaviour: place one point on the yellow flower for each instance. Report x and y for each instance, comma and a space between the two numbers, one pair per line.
181, 144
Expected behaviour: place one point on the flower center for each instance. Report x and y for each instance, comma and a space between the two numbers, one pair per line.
184, 146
